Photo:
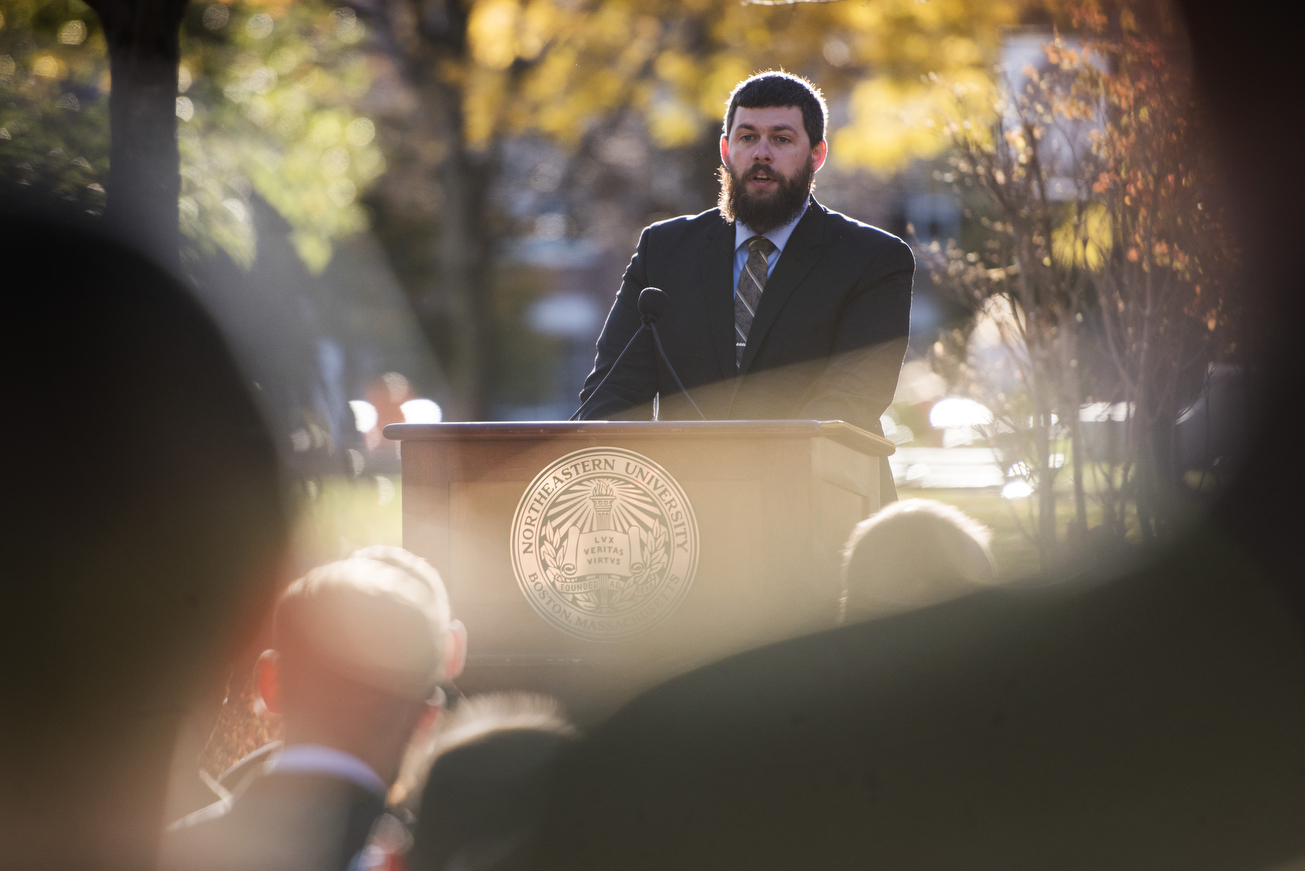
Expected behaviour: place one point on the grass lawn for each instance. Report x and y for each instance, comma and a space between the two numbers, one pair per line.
1014, 552
338, 515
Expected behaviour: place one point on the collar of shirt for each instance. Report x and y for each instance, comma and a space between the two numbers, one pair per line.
779, 236
320, 759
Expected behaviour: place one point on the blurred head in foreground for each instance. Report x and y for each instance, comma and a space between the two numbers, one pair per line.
495, 759
913, 553
144, 532
362, 646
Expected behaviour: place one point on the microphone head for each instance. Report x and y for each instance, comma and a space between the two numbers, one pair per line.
652, 303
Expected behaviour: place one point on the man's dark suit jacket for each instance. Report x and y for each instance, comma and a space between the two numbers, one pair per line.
1150, 722
276, 822
827, 342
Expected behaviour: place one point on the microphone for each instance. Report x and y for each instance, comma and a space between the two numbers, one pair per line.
652, 305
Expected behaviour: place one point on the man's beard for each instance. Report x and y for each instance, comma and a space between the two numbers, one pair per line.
764, 213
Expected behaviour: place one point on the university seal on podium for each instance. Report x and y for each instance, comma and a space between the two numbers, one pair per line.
604, 544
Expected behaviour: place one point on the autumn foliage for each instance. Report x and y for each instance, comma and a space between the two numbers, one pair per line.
1105, 264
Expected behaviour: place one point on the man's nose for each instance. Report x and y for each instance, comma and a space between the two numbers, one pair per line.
762, 154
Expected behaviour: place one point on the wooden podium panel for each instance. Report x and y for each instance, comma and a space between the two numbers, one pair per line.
773, 501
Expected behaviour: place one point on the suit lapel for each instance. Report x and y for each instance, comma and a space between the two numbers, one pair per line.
799, 255
716, 271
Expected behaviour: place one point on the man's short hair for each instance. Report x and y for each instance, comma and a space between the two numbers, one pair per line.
912, 553
778, 88
379, 617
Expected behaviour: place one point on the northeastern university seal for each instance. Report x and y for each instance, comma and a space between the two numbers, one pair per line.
604, 544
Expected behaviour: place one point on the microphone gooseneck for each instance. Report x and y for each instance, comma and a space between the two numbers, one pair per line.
652, 304
615, 363
658, 341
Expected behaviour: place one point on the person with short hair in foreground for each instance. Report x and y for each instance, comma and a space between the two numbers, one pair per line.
362, 646
913, 553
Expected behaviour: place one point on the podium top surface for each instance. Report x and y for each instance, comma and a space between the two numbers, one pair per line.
835, 430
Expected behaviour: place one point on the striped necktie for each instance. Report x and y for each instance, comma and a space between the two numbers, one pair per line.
752, 281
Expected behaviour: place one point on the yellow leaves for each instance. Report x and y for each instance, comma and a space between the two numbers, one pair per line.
481, 103
960, 51
673, 124
492, 33
501, 31
348, 29
360, 132
73, 32
888, 127
334, 161
1084, 239
894, 122
326, 129
677, 68
723, 73
47, 66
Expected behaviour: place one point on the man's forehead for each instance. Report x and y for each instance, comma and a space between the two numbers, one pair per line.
768, 117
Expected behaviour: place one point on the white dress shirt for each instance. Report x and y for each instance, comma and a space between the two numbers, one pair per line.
779, 236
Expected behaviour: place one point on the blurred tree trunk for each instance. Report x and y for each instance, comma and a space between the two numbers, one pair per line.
432, 206
144, 166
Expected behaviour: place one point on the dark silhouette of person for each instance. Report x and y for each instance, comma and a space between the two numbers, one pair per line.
1149, 721
482, 800
143, 531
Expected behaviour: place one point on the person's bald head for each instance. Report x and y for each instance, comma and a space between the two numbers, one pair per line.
361, 648
380, 618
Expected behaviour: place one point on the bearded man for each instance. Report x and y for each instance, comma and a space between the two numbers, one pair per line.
778, 307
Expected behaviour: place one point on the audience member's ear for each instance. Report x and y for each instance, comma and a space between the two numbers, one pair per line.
455, 649
267, 683
430, 716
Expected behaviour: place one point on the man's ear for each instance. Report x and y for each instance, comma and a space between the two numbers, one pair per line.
430, 716
455, 649
267, 683
724, 149
818, 154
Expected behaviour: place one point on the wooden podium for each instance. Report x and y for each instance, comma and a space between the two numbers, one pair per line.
590, 560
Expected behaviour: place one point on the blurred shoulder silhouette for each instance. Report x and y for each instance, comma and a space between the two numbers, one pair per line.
485, 793
1149, 721
144, 529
